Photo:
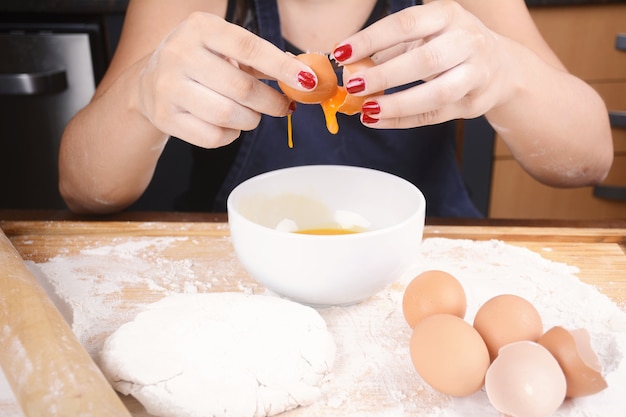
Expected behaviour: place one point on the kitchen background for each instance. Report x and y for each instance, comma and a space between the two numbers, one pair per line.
53, 53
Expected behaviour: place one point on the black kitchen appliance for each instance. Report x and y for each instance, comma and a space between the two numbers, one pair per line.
48, 71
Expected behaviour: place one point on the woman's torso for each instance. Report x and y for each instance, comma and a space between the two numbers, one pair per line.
425, 156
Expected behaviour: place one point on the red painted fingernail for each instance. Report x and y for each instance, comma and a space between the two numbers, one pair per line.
355, 85
370, 108
292, 107
368, 119
307, 80
343, 52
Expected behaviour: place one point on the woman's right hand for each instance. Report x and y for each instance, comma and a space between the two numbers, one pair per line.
203, 84
176, 72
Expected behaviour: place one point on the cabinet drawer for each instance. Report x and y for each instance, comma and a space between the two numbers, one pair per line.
614, 95
584, 36
514, 194
612, 92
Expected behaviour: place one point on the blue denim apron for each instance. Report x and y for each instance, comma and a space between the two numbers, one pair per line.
425, 156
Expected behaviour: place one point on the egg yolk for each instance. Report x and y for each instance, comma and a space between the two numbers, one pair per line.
332, 98
289, 132
330, 107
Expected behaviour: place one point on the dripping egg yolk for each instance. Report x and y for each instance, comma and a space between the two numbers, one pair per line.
331, 97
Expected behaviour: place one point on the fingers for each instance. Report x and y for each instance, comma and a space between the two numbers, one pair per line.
199, 133
201, 83
408, 25
442, 46
221, 111
241, 45
396, 50
421, 63
206, 120
228, 80
444, 98
417, 43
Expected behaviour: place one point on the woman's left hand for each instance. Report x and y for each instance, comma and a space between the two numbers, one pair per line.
464, 64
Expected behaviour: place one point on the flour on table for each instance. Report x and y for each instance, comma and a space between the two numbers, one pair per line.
94, 281
373, 337
220, 354
372, 373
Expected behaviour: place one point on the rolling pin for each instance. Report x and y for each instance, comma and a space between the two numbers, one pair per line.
49, 371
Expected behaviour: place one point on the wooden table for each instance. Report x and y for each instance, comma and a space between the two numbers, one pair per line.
598, 249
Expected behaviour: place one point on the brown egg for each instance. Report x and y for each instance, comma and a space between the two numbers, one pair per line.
449, 354
326, 80
573, 351
433, 292
507, 318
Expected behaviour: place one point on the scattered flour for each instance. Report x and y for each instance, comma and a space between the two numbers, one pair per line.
93, 283
372, 371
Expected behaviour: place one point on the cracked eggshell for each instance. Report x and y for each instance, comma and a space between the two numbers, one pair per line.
505, 319
326, 80
525, 380
579, 362
327, 87
353, 104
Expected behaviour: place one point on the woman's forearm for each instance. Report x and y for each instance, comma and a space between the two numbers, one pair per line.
109, 151
554, 124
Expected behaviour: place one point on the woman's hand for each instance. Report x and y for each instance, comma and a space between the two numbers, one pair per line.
176, 72
202, 83
478, 57
464, 64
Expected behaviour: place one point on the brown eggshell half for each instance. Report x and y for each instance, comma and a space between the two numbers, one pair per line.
355, 67
353, 104
326, 80
525, 380
576, 357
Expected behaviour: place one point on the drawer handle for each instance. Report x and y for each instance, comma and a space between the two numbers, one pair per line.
49, 82
610, 192
620, 42
618, 119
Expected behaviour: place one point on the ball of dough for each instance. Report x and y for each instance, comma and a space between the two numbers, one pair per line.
220, 354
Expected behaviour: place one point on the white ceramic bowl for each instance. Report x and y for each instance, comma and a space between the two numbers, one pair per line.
323, 270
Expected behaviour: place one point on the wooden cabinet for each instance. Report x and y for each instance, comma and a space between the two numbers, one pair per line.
584, 38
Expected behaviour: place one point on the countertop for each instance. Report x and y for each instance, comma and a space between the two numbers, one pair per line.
119, 6
195, 251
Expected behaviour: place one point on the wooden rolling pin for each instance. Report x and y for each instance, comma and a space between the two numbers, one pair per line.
49, 371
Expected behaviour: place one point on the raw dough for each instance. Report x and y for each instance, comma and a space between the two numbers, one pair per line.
220, 354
